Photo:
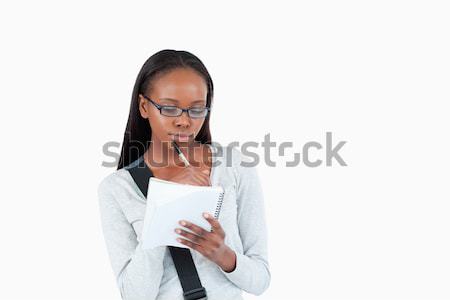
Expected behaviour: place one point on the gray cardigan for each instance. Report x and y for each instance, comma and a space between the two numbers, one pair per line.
150, 274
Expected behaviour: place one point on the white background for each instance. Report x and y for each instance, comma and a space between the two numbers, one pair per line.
375, 73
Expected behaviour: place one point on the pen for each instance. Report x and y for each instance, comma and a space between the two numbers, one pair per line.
180, 154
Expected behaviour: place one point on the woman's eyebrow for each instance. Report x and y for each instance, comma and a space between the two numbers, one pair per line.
175, 100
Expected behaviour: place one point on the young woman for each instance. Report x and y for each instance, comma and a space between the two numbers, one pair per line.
171, 101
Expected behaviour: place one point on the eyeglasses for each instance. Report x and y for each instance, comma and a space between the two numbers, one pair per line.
174, 111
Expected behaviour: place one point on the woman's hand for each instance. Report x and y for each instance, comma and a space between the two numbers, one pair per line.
209, 244
193, 175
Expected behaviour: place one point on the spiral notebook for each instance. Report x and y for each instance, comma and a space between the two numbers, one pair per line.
169, 202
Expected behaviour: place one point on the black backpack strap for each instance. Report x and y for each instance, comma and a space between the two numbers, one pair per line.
182, 258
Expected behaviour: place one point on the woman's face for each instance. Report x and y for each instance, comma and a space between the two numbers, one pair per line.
183, 88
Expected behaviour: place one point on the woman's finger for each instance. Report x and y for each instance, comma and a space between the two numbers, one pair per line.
199, 180
189, 235
196, 229
192, 245
216, 227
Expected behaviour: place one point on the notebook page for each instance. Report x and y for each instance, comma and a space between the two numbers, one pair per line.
168, 203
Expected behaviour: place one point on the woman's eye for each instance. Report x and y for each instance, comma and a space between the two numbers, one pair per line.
169, 108
198, 112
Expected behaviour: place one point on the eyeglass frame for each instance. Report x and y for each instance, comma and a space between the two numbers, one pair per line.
187, 110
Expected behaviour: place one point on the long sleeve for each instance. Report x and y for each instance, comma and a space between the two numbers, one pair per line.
138, 272
252, 268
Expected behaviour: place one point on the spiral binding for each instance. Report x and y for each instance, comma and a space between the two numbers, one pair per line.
219, 205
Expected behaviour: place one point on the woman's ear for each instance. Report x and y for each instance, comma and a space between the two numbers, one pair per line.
143, 108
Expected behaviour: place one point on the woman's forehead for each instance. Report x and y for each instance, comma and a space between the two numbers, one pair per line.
179, 86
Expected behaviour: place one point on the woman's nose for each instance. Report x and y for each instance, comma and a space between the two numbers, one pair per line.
183, 120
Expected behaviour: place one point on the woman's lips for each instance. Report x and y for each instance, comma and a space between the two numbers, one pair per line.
181, 137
